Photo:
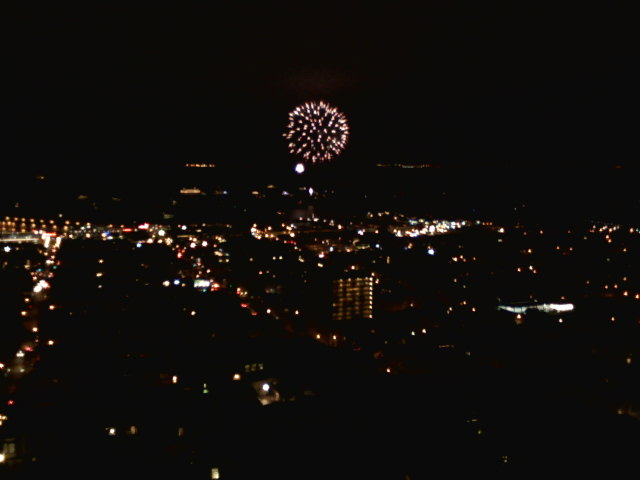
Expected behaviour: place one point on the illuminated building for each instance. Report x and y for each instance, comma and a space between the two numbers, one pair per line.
190, 191
352, 298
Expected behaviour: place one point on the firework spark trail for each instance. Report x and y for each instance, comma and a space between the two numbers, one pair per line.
317, 131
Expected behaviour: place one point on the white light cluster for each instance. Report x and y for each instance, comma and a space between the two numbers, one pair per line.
544, 307
419, 227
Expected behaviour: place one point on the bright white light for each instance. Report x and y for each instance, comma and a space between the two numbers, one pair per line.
545, 307
2, 457
7, 249
431, 251
310, 191
176, 282
265, 387
299, 168
20, 354
161, 233
561, 307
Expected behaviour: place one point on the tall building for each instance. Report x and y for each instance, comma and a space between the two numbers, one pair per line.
352, 298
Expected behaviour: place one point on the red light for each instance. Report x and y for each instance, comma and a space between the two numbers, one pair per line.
244, 305
144, 226
127, 229
10, 402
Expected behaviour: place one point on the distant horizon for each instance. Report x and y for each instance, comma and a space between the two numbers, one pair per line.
146, 163
601, 192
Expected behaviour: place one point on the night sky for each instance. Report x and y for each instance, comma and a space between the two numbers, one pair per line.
525, 112
124, 89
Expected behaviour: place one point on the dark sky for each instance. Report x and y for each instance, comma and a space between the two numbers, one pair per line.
119, 87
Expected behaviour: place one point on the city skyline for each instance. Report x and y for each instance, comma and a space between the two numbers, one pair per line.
449, 288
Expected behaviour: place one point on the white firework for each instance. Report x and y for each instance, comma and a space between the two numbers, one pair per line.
317, 132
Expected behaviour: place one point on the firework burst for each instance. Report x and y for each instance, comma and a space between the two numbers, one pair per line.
317, 132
